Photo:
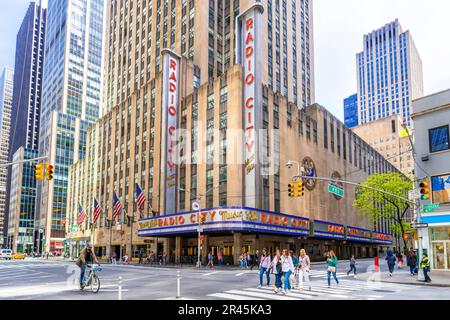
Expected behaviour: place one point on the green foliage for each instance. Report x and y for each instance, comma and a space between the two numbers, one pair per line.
378, 205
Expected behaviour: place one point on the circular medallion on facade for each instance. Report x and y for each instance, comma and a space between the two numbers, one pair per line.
336, 175
310, 171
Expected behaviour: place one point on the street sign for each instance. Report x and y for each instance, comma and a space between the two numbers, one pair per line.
430, 207
336, 190
200, 229
148, 241
416, 225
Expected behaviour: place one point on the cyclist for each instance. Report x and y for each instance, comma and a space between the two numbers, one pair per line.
87, 257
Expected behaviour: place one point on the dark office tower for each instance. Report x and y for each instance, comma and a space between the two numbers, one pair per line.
25, 117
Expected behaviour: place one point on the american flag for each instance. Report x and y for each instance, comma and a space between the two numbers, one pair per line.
81, 214
117, 207
97, 211
140, 198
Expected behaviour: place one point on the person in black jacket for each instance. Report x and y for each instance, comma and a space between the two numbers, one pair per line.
391, 262
412, 262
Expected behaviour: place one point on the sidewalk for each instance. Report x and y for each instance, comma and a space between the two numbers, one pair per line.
402, 276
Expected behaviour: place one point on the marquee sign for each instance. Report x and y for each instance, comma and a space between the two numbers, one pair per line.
358, 234
382, 238
248, 54
170, 97
328, 230
226, 218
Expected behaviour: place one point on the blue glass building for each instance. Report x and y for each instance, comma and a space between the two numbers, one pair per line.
351, 111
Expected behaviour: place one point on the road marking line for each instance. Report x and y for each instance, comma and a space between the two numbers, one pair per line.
112, 290
266, 296
291, 294
211, 273
232, 296
305, 292
339, 296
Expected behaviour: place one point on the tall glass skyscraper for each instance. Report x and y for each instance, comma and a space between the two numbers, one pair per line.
71, 102
389, 74
25, 120
351, 111
6, 96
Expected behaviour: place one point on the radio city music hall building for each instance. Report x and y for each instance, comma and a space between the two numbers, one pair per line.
222, 139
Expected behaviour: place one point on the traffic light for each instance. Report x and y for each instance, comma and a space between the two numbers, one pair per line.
300, 189
49, 172
291, 189
424, 191
39, 172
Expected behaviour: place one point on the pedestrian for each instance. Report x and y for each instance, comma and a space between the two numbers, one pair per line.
248, 260
255, 260
293, 277
400, 263
114, 258
220, 257
303, 269
425, 265
126, 259
210, 260
287, 269
141, 256
264, 268
352, 266
164, 258
331, 267
277, 267
391, 259
411, 261
242, 261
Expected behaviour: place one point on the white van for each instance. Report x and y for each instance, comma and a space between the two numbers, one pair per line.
6, 254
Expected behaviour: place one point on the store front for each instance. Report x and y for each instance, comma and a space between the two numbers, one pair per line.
437, 240
236, 230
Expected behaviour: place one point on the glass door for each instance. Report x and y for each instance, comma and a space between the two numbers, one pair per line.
439, 253
447, 254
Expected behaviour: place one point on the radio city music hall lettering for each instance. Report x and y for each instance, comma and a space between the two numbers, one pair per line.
172, 112
249, 80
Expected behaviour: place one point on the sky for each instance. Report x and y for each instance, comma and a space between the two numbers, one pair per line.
339, 26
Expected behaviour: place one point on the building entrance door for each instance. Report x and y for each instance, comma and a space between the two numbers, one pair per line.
441, 255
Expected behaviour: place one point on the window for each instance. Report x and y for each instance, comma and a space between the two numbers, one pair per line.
439, 139
440, 186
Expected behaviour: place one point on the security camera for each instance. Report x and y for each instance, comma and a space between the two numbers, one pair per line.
289, 165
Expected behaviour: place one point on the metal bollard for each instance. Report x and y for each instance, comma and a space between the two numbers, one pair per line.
178, 285
120, 288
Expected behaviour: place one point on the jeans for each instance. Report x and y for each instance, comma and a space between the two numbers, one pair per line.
261, 276
278, 280
303, 274
352, 268
425, 272
334, 276
82, 272
391, 268
412, 269
287, 283
113, 261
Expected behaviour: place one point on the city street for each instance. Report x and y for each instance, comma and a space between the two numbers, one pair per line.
57, 280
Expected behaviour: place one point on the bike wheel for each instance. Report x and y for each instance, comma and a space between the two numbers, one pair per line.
95, 284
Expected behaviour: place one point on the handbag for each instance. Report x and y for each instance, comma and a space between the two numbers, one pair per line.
331, 269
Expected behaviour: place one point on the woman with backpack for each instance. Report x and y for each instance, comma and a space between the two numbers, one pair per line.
276, 266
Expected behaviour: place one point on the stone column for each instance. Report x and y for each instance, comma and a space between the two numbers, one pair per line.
178, 247
204, 251
237, 244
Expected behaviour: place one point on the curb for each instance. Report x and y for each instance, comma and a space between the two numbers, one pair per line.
418, 283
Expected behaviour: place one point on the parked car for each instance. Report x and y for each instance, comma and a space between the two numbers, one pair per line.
18, 256
6, 254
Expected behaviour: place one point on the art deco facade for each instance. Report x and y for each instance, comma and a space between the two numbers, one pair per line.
389, 72
390, 139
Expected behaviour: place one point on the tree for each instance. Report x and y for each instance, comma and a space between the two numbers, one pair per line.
378, 205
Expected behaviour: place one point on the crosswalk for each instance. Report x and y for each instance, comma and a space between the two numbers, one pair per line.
321, 291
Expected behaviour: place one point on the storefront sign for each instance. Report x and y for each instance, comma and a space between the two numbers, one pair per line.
382, 238
170, 92
248, 53
329, 230
358, 234
226, 218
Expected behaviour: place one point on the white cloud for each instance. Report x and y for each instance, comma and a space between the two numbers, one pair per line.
339, 27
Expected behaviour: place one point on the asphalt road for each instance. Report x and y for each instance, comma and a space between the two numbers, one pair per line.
58, 280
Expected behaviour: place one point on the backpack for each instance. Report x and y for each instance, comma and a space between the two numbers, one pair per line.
279, 266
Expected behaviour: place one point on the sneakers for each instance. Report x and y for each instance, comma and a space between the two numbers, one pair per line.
390, 274
275, 291
260, 286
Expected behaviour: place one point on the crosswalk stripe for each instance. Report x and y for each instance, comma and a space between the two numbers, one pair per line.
323, 286
304, 292
211, 273
291, 294
232, 296
266, 296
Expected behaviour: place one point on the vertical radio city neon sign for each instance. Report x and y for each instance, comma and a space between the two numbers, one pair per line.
248, 54
170, 98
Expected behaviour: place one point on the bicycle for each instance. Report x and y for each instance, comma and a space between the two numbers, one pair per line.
92, 280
